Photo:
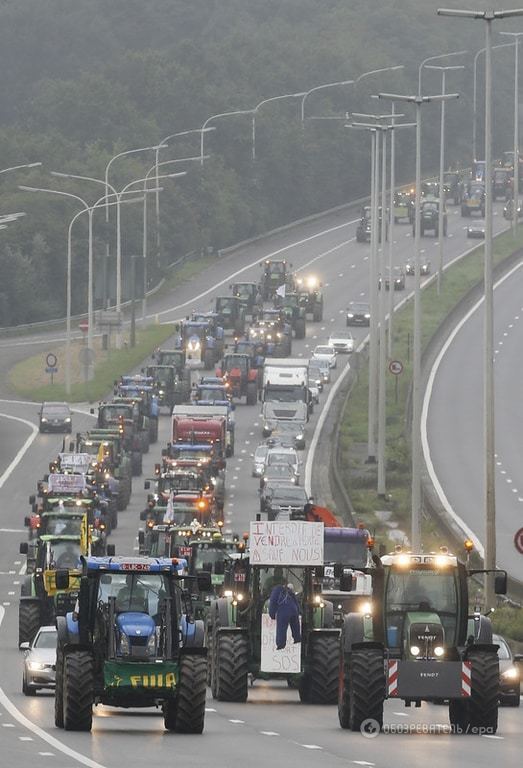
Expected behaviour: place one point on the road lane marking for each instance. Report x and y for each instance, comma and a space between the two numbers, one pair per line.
19, 456
269, 733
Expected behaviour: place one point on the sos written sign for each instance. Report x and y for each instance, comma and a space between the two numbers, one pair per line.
292, 542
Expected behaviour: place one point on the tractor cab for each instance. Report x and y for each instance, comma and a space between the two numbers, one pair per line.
231, 313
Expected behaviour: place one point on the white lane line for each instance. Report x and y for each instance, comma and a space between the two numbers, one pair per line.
26, 738
310, 746
12, 530
210, 709
238, 722
37, 731
8, 725
425, 413
19, 456
258, 261
491, 736
23, 569
361, 762
269, 733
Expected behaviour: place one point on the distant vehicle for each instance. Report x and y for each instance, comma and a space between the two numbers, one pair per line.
314, 387
509, 677
341, 341
55, 417
358, 313
278, 473
39, 661
403, 206
258, 460
508, 210
476, 230
398, 279
284, 502
429, 217
502, 183
324, 352
363, 229
321, 367
280, 454
424, 267
473, 199
452, 187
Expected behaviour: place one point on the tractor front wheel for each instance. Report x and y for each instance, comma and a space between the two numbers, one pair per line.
324, 653
190, 703
483, 702
366, 687
78, 691
231, 667
28, 621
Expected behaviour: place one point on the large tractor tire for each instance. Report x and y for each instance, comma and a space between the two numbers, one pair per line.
122, 499
322, 683
366, 687
483, 702
252, 393
344, 695
28, 621
231, 667
299, 328
59, 690
170, 713
136, 462
190, 702
153, 430
317, 313
78, 691
144, 440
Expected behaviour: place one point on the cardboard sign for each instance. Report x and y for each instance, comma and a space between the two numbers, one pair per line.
72, 484
293, 542
77, 462
288, 660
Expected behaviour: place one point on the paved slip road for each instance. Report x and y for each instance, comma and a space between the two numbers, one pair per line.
455, 423
272, 727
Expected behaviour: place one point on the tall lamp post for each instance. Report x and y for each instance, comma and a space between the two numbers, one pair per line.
418, 101
435, 58
475, 95
441, 232
488, 406
204, 129
257, 107
515, 195
19, 167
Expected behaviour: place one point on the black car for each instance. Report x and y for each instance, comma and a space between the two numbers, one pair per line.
358, 313
284, 501
55, 417
424, 267
398, 279
509, 677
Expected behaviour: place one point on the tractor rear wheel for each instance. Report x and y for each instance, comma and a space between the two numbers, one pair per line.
190, 703
343, 695
59, 690
28, 621
317, 313
366, 687
136, 462
231, 667
78, 691
252, 393
299, 328
153, 430
483, 702
324, 653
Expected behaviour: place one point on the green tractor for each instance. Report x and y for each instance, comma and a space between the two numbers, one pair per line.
110, 459
308, 288
420, 644
275, 275
132, 641
124, 418
171, 389
244, 640
294, 306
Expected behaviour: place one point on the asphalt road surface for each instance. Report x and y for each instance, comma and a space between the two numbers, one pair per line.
272, 727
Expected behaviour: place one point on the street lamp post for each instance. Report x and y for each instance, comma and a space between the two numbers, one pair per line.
475, 97
19, 167
515, 191
266, 101
203, 129
441, 232
418, 101
435, 58
488, 406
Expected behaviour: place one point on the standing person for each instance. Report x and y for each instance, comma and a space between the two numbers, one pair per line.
284, 607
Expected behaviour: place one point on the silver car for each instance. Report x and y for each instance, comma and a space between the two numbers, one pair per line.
322, 367
258, 460
284, 455
40, 661
324, 352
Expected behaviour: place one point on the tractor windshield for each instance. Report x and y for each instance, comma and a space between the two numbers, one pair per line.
64, 554
225, 304
235, 361
244, 290
277, 575
172, 358
133, 591
184, 483
347, 551
424, 590
111, 413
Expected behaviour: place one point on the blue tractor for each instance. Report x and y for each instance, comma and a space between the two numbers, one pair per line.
132, 641
202, 349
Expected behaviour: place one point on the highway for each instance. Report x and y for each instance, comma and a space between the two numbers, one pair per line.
272, 726
455, 425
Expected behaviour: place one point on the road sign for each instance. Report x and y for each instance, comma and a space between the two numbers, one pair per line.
518, 541
86, 356
396, 367
83, 326
110, 317
51, 369
51, 360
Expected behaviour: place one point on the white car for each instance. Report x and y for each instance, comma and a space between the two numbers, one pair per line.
341, 341
324, 352
258, 460
39, 661
284, 455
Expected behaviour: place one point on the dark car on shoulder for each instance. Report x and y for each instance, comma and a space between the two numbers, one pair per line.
358, 313
55, 417
509, 675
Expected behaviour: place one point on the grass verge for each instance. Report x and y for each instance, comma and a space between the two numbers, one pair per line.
391, 516
29, 380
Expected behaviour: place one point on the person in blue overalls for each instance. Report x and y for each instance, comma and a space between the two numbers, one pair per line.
284, 607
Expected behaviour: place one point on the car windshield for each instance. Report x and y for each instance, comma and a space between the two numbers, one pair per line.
57, 409
359, 308
281, 458
279, 471
323, 351
294, 495
45, 639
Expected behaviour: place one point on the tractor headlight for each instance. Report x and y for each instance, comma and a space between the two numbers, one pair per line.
125, 645
439, 651
414, 650
227, 593
239, 597
151, 646
366, 608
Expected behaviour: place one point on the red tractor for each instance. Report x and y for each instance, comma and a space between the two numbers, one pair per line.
242, 378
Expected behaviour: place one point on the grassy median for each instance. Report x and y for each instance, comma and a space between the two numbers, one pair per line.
390, 516
30, 381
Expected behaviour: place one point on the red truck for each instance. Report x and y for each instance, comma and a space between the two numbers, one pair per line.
189, 428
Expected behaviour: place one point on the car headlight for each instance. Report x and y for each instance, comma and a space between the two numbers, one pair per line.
367, 316
67, 419
299, 437
512, 673
349, 314
36, 666
43, 419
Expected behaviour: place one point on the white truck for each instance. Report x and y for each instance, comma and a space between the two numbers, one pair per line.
287, 400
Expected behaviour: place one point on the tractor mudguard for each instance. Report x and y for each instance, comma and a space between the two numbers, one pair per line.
224, 612
480, 628
253, 375
353, 631
486, 647
193, 633
72, 626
